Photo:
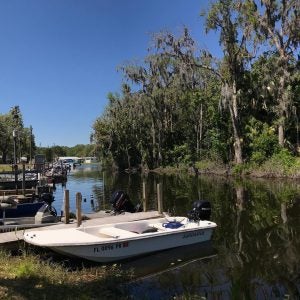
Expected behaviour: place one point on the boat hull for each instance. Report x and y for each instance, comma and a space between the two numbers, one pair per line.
123, 249
22, 210
119, 241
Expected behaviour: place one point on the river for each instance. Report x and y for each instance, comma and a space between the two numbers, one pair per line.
255, 250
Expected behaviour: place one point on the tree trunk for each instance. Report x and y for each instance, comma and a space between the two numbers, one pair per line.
153, 143
282, 103
159, 155
128, 158
200, 129
197, 140
281, 135
233, 108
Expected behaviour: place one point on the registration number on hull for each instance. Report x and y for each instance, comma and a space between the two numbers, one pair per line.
111, 247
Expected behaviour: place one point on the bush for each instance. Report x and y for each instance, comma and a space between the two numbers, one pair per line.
26, 269
262, 139
281, 163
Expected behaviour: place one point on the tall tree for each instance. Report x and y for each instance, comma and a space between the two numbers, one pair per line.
224, 17
277, 23
171, 82
24, 139
155, 78
5, 137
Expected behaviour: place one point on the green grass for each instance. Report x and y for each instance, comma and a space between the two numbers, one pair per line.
5, 167
29, 276
8, 167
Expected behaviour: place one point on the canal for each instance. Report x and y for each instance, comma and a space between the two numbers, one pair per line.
255, 251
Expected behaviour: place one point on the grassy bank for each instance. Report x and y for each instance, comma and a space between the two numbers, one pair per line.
8, 167
5, 168
28, 276
275, 167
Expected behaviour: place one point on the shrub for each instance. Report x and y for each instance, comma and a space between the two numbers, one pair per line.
281, 163
26, 269
262, 139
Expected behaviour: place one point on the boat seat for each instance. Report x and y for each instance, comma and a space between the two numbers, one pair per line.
158, 226
116, 233
150, 229
137, 227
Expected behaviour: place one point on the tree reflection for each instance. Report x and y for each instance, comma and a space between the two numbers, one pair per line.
257, 239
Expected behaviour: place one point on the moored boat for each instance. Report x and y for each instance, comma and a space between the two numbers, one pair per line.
107, 243
17, 207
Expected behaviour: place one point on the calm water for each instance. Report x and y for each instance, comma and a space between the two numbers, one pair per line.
255, 251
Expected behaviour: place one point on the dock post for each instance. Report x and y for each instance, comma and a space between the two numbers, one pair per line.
67, 206
78, 208
159, 199
23, 177
144, 197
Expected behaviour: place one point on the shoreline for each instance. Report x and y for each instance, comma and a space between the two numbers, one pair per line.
226, 172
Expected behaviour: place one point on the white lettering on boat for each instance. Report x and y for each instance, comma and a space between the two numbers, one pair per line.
111, 247
192, 234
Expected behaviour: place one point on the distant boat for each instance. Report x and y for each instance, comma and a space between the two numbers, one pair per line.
10, 184
90, 160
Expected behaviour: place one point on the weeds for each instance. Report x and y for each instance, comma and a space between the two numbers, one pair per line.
29, 276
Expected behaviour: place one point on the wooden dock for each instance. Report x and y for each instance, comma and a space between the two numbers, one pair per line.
10, 240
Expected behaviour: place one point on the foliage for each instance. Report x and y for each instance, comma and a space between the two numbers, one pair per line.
10, 123
24, 141
181, 105
281, 164
283, 158
52, 153
262, 140
180, 154
275, 24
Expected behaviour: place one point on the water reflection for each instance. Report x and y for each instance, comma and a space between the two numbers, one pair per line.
151, 265
257, 241
154, 269
86, 179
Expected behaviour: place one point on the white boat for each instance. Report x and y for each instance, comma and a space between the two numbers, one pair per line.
107, 243
90, 160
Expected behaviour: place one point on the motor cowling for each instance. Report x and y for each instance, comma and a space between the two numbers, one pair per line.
47, 197
201, 211
120, 202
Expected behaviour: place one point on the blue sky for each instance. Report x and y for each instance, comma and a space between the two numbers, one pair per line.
59, 58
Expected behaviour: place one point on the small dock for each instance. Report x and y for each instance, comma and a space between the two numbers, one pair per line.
9, 240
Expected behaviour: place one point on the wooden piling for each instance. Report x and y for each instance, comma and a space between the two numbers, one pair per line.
67, 206
78, 208
23, 180
159, 199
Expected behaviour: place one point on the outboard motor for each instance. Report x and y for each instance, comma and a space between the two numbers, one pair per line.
46, 214
47, 197
201, 211
121, 202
